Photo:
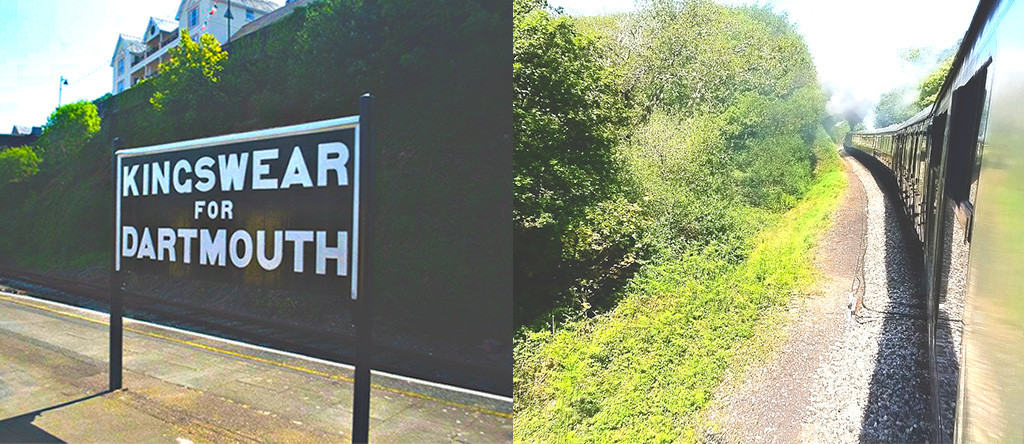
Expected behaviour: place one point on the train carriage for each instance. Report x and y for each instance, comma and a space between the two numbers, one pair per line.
959, 166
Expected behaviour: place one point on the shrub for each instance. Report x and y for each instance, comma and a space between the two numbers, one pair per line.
678, 164
17, 164
567, 115
67, 130
186, 94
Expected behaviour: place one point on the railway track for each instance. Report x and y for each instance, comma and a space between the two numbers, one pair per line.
331, 346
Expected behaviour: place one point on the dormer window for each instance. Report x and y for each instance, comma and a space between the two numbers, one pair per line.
152, 30
249, 15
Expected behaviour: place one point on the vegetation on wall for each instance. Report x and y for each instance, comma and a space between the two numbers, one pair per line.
188, 85
443, 138
17, 164
67, 130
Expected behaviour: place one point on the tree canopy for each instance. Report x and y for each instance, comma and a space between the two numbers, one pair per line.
686, 111
567, 113
17, 164
67, 130
928, 90
186, 91
895, 106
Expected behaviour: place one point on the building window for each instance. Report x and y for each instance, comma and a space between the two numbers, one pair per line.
249, 15
120, 66
193, 17
120, 86
152, 30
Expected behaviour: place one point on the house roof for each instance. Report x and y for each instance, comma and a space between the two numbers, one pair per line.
132, 43
259, 5
162, 24
261, 22
165, 25
22, 130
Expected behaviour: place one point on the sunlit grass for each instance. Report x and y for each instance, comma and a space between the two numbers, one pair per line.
644, 371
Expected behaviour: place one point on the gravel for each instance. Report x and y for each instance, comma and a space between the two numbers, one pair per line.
839, 376
766, 402
872, 385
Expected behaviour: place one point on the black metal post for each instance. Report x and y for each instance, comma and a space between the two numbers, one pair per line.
229, 16
60, 89
116, 291
364, 307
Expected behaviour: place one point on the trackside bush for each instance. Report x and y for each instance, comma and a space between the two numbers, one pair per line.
680, 166
718, 184
567, 116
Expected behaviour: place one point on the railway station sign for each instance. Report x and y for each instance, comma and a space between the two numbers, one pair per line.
275, 208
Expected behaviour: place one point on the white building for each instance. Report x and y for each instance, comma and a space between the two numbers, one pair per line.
139, 58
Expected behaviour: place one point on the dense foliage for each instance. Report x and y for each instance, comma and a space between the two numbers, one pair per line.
895, 106
928, 90
672, 123
17, 164
67, 130
720, 133
567, 113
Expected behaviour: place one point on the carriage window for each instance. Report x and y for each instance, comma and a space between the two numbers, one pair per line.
938, 130
967, 105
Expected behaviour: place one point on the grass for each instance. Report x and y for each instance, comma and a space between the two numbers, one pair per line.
644, 371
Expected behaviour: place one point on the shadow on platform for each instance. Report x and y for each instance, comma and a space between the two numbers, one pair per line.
19, 429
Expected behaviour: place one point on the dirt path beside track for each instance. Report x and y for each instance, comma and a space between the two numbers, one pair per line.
830, 376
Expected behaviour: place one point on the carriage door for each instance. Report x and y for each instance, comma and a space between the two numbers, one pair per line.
936, 133
948, 265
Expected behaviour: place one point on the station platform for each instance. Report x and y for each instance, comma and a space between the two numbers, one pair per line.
181, 387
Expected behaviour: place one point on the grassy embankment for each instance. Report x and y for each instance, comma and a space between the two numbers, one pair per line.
644, 371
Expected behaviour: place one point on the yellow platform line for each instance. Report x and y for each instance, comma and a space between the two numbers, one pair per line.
261, 360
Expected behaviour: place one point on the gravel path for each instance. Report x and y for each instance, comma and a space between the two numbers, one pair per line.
838, 377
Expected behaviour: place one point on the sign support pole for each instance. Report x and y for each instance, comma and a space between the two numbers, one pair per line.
116, 294
364, 308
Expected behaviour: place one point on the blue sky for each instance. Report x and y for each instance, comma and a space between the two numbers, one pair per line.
45, 39
875, 31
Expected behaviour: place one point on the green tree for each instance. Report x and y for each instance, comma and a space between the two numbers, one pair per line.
840, 129
698, 56
186, 91
567, 114
895, 106
17, 164
67, 130
681, 167
928, 90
